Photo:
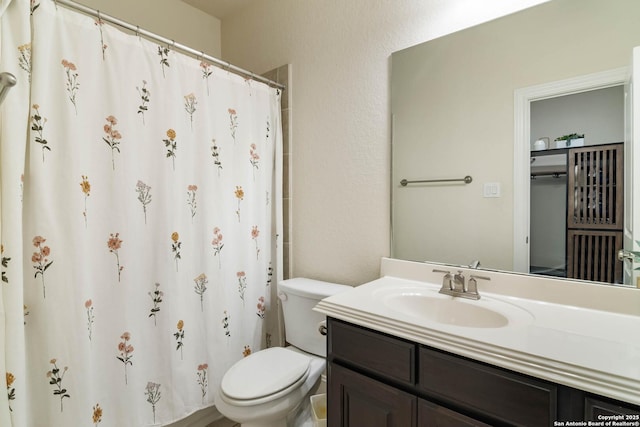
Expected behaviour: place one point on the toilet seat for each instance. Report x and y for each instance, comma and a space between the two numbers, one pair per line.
264, 376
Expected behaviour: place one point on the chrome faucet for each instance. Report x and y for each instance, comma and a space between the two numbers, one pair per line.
475, 264
456, 285
459, 283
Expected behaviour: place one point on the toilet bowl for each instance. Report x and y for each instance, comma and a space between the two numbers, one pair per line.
264, 388
269, 387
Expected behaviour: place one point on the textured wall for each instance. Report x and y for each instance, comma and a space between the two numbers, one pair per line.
172, 19
340, 55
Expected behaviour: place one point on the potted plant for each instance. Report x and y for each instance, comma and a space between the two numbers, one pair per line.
571, 140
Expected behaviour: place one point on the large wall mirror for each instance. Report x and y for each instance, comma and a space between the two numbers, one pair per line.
454, 105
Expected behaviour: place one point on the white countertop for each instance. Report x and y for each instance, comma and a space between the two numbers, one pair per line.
591, 343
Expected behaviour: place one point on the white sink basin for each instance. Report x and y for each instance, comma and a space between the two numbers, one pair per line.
427, 304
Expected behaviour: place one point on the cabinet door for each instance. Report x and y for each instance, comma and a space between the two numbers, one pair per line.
432, 415
593, 255
595, 187
598, 409
354, 400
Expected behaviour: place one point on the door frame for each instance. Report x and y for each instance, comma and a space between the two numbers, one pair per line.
522, 146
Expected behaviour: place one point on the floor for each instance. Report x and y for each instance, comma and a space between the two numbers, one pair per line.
223, 423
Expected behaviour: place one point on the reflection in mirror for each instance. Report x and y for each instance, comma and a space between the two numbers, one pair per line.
452, 103
599, 115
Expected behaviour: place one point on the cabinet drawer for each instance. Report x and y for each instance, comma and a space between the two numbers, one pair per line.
474, 387
432, 415
374, 352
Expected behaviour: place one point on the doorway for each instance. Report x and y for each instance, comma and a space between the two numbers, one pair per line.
523, 98
598, 115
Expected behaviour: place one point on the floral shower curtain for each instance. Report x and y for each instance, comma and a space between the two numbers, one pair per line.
139, 223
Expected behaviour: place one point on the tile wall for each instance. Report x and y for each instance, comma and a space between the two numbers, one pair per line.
282, 75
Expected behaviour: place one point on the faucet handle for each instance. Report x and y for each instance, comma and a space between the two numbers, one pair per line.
473, 283
447, 282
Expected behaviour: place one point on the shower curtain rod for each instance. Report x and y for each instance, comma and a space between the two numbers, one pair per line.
198, 54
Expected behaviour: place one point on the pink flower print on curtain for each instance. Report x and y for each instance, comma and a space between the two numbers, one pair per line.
201, 287
71, 82
203, 382
254, 236
125, 353
37, 126
103, 47
254, 159
217, 245
39, 258
261, 307
114, 244
206, 73
56, 375
113, 137
233, 125
85, 186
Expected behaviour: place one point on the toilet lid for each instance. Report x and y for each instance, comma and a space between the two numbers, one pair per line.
264, 373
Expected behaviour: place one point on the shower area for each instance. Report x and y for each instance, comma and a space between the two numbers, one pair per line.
141, 220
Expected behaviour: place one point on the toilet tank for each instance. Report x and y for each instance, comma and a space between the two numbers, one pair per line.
298, 297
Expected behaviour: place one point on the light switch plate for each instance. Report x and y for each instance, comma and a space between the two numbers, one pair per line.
491, 189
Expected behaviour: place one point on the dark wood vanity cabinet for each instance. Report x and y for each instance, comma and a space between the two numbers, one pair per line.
377, 380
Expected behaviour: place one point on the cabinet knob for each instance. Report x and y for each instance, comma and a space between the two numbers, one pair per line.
322, 328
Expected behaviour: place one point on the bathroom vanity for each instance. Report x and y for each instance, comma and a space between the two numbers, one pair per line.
528, 353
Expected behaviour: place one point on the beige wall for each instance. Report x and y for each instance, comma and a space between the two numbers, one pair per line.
340, 56
172, 19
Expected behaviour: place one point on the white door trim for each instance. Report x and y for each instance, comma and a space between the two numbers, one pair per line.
522, 142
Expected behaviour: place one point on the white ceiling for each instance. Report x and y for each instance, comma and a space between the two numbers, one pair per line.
221, 9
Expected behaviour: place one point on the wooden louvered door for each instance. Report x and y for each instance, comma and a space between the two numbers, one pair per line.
595, 213
592, 255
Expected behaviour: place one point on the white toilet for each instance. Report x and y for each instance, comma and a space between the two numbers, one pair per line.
269, 387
